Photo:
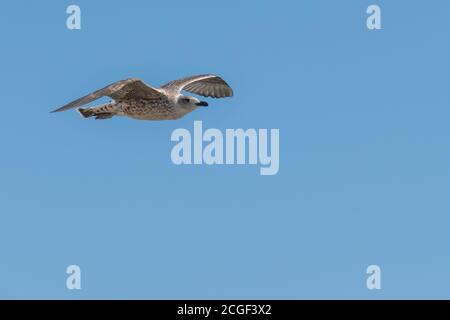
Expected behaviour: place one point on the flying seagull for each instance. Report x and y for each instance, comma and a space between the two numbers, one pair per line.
135, 99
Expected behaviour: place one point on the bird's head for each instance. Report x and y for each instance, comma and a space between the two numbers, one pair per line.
191, 102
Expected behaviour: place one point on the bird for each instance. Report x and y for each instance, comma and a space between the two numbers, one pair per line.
135, 99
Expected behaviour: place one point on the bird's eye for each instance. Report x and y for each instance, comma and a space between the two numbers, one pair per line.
186, 100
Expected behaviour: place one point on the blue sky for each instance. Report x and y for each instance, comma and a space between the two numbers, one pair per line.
364, 152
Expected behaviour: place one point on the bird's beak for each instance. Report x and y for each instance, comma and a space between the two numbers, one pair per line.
202, 104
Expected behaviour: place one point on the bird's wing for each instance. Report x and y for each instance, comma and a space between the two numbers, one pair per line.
123, 89
207, 85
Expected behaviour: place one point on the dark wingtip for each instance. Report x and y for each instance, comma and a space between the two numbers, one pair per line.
56, 110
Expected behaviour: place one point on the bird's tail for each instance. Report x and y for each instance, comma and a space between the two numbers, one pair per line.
104, 111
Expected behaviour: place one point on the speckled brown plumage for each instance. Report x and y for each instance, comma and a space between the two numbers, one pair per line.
135, 99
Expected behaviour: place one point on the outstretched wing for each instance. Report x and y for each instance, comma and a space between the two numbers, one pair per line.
208, 85
123, 89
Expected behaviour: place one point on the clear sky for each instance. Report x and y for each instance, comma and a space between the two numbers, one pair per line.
364, 152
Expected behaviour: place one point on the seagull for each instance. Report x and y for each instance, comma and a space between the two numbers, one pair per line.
135, 99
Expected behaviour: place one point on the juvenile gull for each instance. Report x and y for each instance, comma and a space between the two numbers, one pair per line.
135, 99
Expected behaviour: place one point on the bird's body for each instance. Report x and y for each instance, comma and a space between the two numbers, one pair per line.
140, 109
134, 99
155, 109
